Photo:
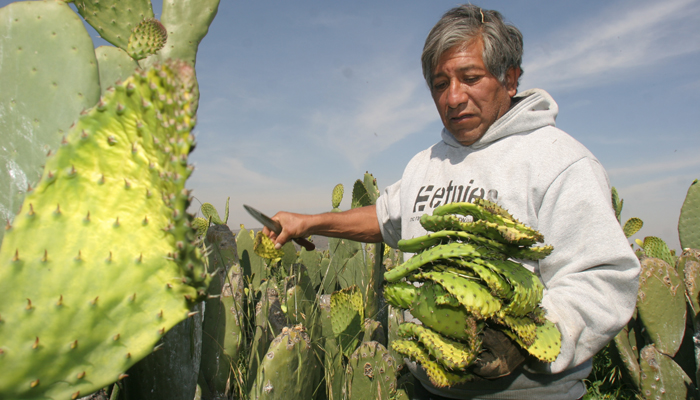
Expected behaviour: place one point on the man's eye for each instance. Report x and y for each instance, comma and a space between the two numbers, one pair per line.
439, 85
472, 79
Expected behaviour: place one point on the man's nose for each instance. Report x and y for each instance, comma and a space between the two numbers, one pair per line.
456, 94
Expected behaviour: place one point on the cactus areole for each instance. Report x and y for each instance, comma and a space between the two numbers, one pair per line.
99, 263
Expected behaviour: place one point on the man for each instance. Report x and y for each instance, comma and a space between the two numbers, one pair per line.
504, 147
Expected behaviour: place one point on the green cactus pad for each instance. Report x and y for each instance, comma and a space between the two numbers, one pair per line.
444, 251
527, 287
110, 207
289, 369
629, 353
445, 236
449, 353
632, 226
200, 225
453, 322
360, 198
146, 38
115, 20
496, 283
689, 221
656, 248
347, 316
523, 327
187, 23
491, 230
475, 298
493, 214
437, 374
401, 294
209, 212
661, 305
616, 203
689, 269
371, 369
48, 75
662, 378
337, 195
547, 344
115, 65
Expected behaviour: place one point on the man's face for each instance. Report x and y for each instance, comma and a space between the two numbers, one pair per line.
468, 98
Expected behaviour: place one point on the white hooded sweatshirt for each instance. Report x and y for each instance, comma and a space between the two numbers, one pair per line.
551, 182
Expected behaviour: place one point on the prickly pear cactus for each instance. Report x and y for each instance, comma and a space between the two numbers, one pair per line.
662, 293
337, 196
111, 208
102, 15
46, 59
289, 369
689, 221
371, 372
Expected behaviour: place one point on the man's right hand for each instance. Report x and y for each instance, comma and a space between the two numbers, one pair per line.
359, 224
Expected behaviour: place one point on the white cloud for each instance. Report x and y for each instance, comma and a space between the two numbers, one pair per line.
395, 106
665, 166
614, 44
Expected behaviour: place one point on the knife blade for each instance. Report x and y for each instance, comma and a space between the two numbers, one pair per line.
276, 227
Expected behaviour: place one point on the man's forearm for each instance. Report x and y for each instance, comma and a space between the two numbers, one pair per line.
359, 224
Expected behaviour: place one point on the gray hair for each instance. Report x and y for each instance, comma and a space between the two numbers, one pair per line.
503, 43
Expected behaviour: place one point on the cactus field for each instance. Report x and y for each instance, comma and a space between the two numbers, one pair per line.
111, 288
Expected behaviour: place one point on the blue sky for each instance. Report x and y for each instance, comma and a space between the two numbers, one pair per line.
299, 96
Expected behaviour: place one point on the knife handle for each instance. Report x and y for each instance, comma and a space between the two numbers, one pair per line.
305, 244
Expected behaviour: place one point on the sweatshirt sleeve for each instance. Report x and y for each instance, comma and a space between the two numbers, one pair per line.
591, 277
389, 214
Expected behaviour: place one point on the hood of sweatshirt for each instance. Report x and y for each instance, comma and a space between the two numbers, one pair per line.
533, 109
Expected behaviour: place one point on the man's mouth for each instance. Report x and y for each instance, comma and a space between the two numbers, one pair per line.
462, 117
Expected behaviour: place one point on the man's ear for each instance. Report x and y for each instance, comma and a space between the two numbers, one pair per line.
512, 76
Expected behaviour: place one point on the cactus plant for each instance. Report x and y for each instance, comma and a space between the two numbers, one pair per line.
371, 371
89, 194
35, 76
689, 220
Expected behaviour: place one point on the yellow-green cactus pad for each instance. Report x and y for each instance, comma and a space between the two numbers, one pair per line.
474, 296
437, 374
547, 344
146, 38
337, 196
265, 247
450, 353
99, 264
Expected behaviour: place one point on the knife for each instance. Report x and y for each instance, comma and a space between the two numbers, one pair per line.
276, 227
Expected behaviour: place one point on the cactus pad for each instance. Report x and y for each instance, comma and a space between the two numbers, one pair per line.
102, 15
289, 368
656, 248
115, 65
661, 305
475, 298
437, 374
371, 369
662, 378
347, 316
547, 343
450, 353
111, 208
632, 226
146, 38
689, 221
48, 74
265, 247
337, 196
